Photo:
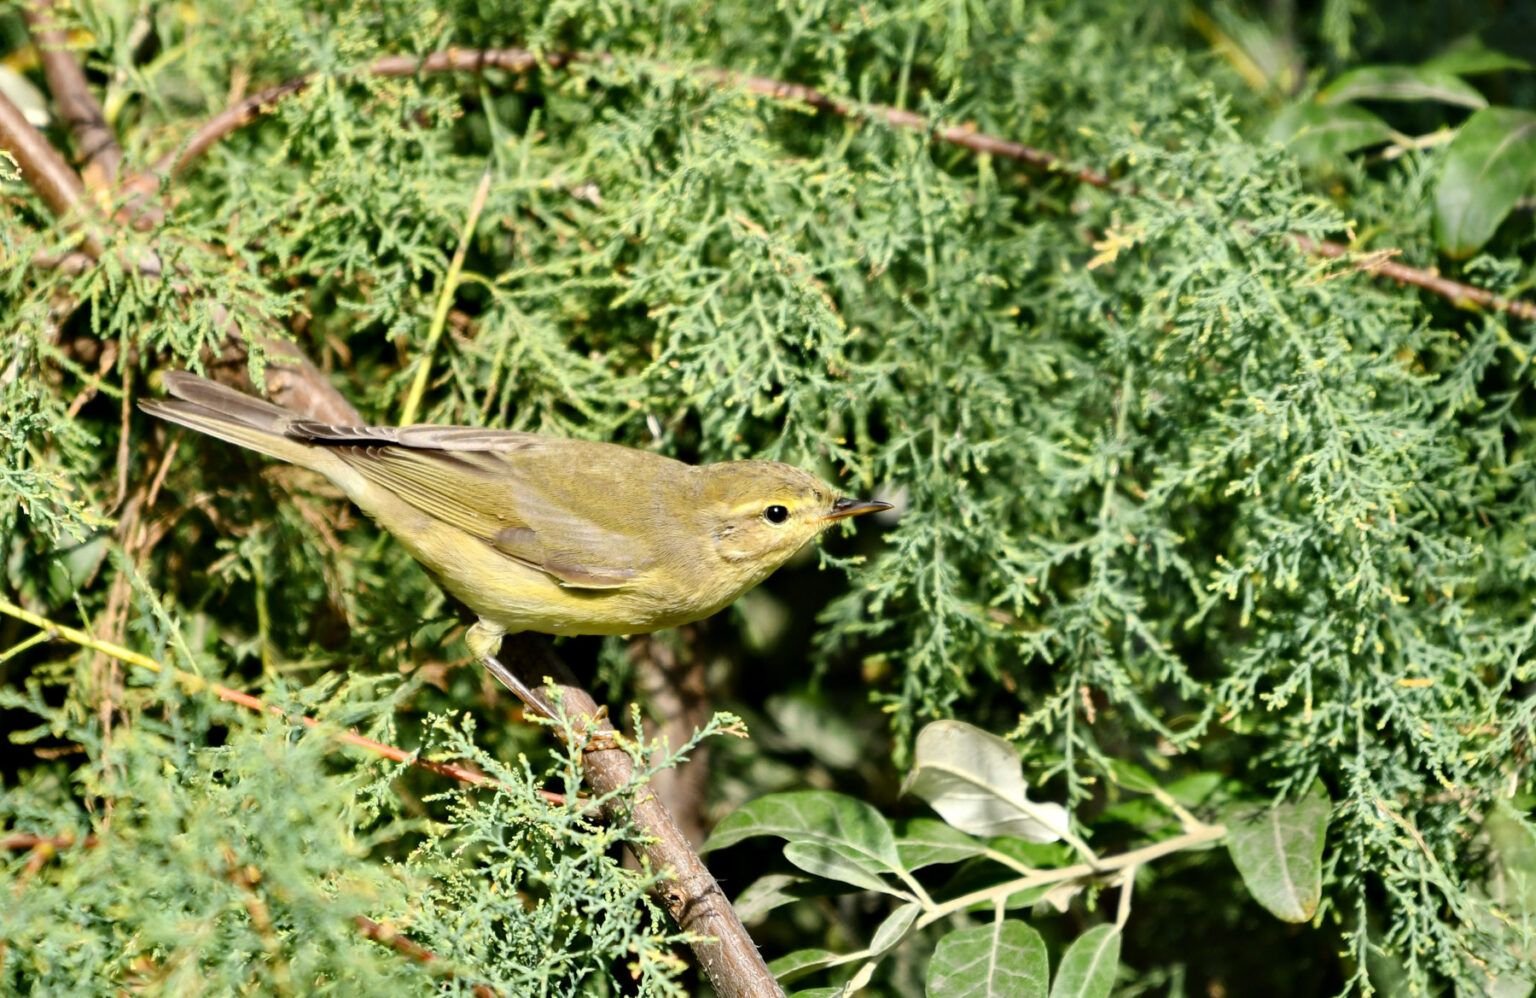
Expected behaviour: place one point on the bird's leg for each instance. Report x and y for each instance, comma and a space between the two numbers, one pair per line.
484, 640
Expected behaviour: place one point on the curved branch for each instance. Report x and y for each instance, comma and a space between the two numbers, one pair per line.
521, 60
689, 891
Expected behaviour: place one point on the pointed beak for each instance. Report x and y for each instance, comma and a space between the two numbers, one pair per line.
844, 508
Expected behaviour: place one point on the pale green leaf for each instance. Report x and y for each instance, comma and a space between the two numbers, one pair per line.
1004, 959
1401, 83
838, 861
764, 894
1488, 167
1321, 132
973, 779
813, 816
1088, 967
926, 842
1279, 852
1470, 57
894, 927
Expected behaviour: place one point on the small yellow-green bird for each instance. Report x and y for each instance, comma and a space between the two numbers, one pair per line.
541, 533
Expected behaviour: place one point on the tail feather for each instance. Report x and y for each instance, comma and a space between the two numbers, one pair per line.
233, 416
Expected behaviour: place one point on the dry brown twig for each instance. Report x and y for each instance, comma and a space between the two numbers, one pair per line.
521, 60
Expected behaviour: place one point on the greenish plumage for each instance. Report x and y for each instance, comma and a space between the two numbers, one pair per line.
541, 533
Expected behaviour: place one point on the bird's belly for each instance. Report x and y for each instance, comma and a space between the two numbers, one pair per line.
512, 595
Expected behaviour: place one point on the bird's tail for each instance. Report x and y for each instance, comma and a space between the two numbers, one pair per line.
212, 408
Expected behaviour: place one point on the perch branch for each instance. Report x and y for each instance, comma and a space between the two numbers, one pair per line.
520, 60
688, 891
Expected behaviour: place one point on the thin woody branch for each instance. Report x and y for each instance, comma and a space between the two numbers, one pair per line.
96, 147
462, 774
522, 60
44, 170
727, 954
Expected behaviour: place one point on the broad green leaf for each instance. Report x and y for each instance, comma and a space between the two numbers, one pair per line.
765, 894
925, 842
894, 927
1488, 167
1317, 133
974, 781
1514, 854
1512, 886
1005, 959
836, 861
818, 993
1401, 83
800, 962
813, 816
1088, 966
1470, 57
1279, 852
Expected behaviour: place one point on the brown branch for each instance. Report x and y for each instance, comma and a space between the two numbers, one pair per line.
674, 690
96, 147
411, 949
455, 772
26, 840
521, 60
1379, 262
45, 171
688, 890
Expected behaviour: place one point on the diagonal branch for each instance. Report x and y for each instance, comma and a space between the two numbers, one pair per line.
726, 952
521, 60
194, 683
45, 171
96, 147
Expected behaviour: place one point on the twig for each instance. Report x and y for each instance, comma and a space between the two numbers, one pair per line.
1455, 291
195, 683
26, 840
95, 145
411, 949
1080, 871
45, 171
521, 60
689, 892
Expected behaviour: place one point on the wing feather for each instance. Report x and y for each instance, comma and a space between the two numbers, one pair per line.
513, 490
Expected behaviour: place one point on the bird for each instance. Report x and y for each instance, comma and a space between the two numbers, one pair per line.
535, 532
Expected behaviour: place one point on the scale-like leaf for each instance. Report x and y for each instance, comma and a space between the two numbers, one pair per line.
1088, 966
1279, 852
1488, 167
1005, 959
972, 778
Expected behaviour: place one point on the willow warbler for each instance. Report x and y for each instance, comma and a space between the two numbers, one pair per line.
542, 533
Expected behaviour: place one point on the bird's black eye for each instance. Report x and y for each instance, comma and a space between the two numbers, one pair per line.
775, 514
